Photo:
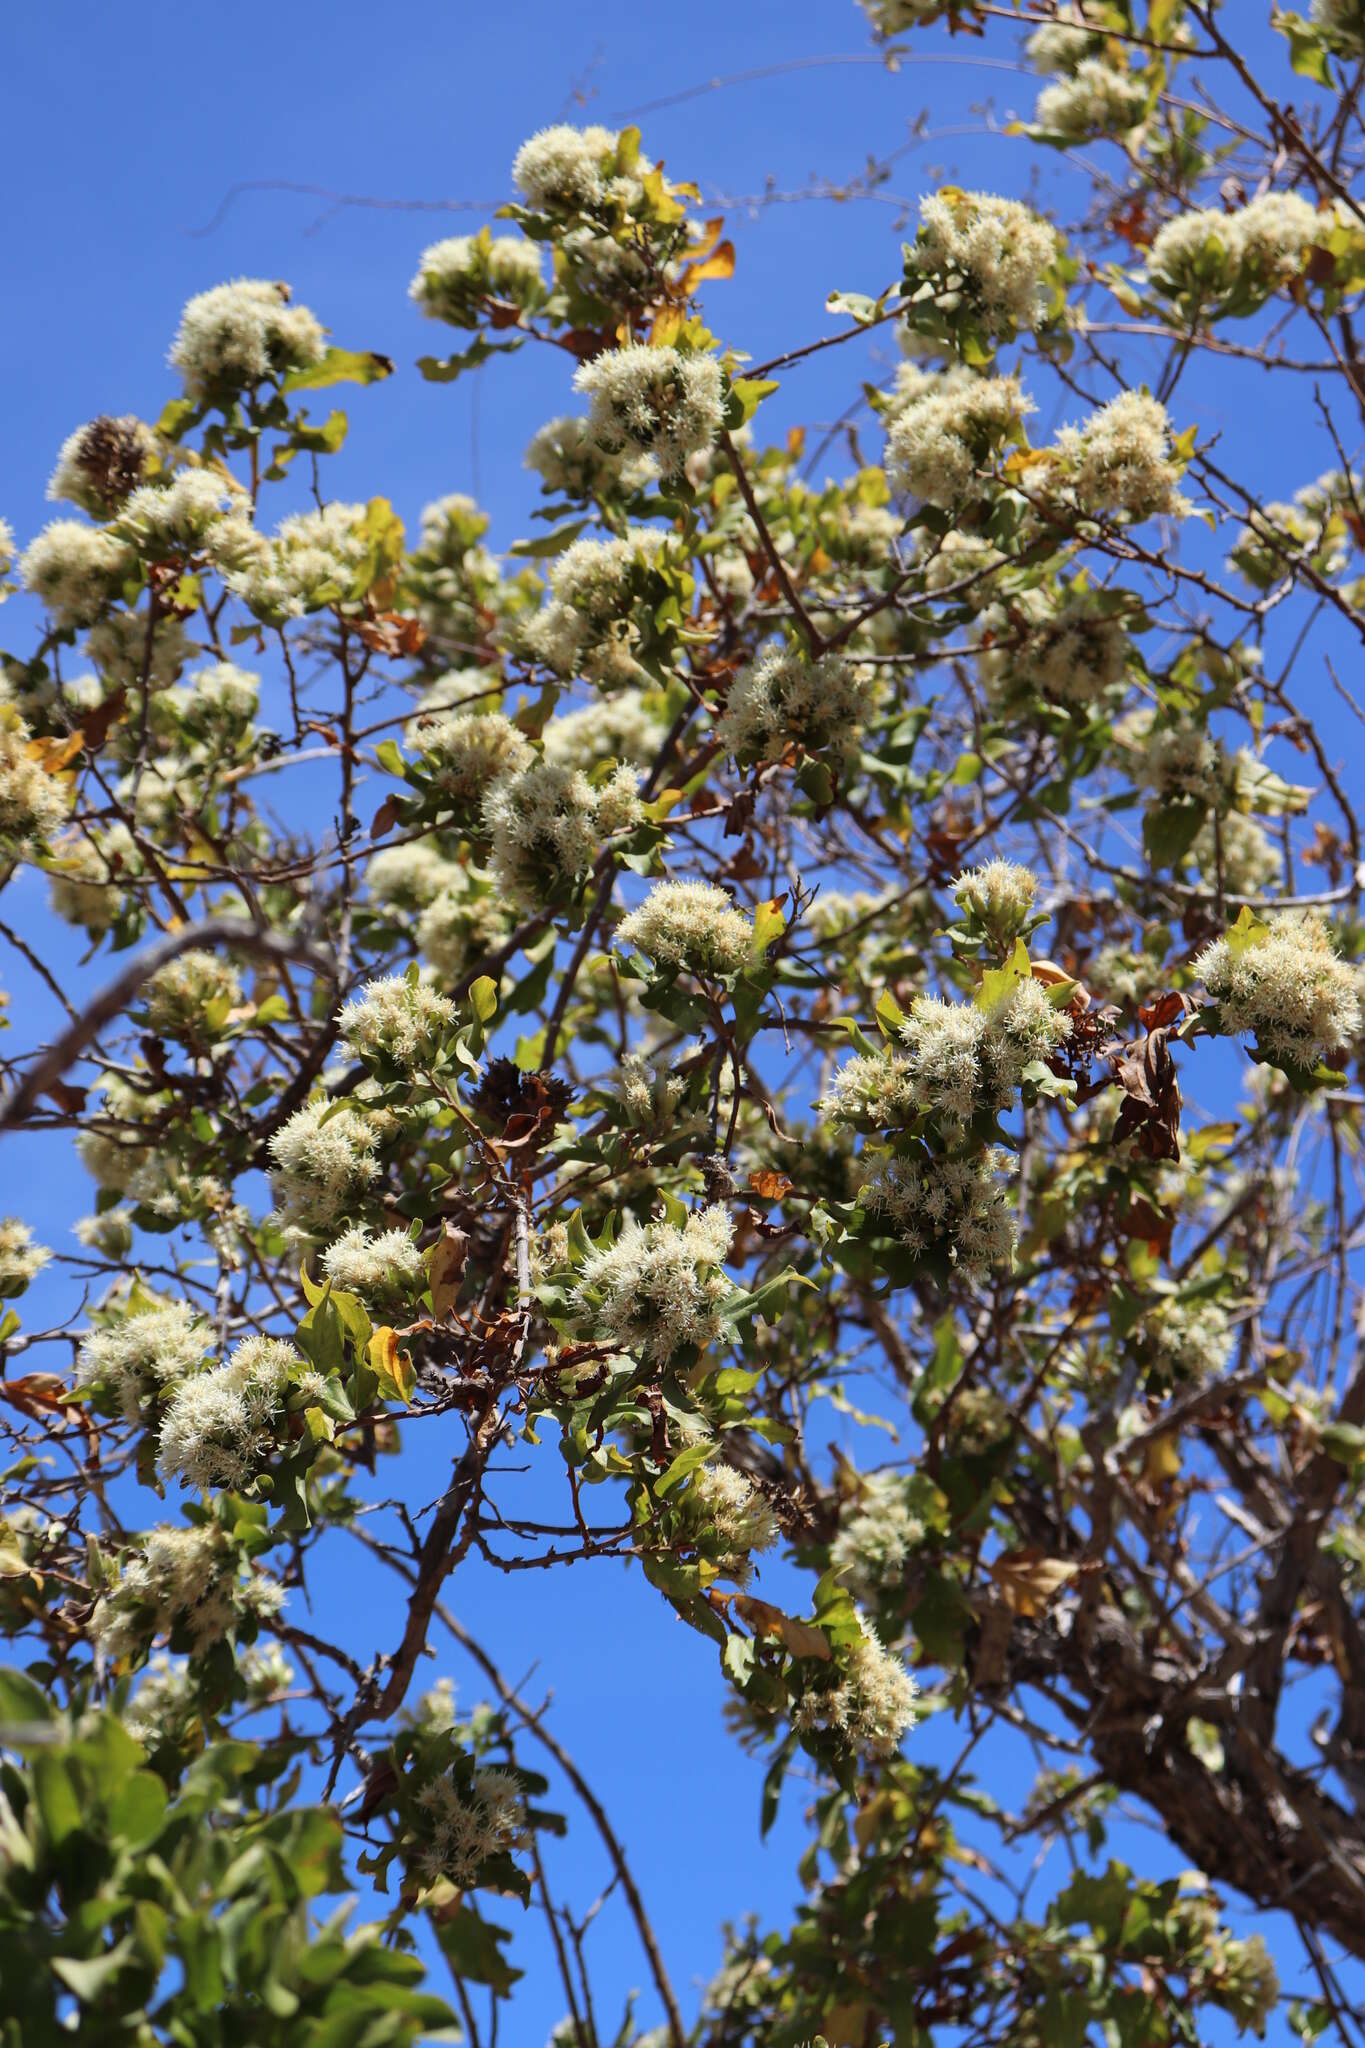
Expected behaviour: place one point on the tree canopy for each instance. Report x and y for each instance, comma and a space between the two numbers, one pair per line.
814, 1004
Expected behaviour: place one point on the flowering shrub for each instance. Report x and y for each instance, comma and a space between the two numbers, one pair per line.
810, 1047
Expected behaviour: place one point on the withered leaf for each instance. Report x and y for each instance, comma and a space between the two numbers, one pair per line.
39, 1395
800, 1637
385, 817
1030, 1580
446, 1262
1151, 1109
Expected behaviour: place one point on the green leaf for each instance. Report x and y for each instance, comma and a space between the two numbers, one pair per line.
999, 983
745, 397
483, 997
137, 1812
59, 1802
473, 1948
444, 370
22, 1703
772, 1783
889, 1014
685, 1462
89, 1979
341, 366
549, 543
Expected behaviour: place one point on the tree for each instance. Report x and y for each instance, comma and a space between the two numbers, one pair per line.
769, 980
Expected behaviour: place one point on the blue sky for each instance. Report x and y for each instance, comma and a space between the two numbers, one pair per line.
126, 133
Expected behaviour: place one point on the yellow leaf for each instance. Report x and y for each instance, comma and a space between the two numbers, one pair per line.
52, 755
1161, 1459
720, 263
769, 923
392, 1367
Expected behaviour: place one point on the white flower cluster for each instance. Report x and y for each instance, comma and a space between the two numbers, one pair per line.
1240, 1975
464, 751
121, 1150
864, 534
737, 1521
1063, 648
613, 269
1250, 860
462, 924
1284, 985
976, 1420
490, 1820
456, 276
126, 651
110, 1233
165, 1706
653, 401
870, 1705
398, 1021
835, 910
999, 895
218, 695
74, 570
191, 997
891, 17
384, 1268
546, 825
1098, 99
1181, 761
647, 1090
1208, 255
574, 170
1063, 45
1316, 524
692, 926
323, 1159
177, 515
782, 699
142, 1358
1185, 1340
960, 1060
21, 1260
265, 1672
181, 1579
237, 335
953, 1208
946, 428
102, 462
411, 875
311, 561
659, 1287
33, 801
221, 1426
615, 728
878, 1532
567, 456
586, 628
987, 254
1121, 462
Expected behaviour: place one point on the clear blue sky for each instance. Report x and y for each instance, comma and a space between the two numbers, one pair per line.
126, 129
